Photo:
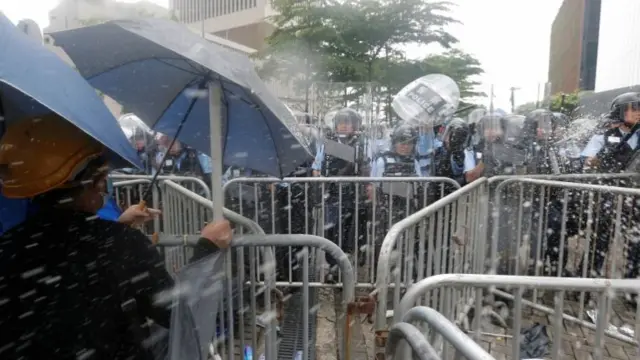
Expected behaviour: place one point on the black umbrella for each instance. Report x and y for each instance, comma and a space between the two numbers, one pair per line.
161, 71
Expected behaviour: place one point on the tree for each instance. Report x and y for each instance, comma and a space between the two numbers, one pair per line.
565, 103
458, 65
337, 41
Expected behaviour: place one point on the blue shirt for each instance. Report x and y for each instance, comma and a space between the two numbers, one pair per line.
110, 211
596, 143
427, 144
13, 212
377, 146
319, 159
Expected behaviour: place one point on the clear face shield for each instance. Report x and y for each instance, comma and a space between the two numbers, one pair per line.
631, 113
545, 127
491, 129
135, 129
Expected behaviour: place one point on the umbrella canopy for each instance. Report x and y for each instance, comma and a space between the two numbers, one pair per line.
35, 82
159, 69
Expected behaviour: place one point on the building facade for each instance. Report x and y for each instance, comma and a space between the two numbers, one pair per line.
619, 50
71, 14
573, 53
242, 21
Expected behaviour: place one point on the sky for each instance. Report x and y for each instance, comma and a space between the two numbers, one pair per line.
509, 37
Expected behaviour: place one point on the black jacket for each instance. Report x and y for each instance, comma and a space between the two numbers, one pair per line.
64, 276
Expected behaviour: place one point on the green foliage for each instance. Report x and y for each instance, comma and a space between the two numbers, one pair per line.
342, 41
361, 41
565, 103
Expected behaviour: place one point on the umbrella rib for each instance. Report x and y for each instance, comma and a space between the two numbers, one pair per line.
163, 60
186, 86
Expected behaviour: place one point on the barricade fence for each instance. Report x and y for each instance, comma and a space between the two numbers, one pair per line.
353, 212
518, 225
511, 225
449, 343
241, 321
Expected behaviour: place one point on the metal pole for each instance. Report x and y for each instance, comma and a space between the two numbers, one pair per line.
215, 124
513, 98
203, 15
491, 102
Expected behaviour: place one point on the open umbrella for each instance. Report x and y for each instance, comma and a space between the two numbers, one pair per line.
35, 81
161, 71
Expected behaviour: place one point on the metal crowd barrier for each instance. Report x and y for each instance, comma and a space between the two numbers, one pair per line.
512, 240
304, 206
248, 332
450, 239
452, 285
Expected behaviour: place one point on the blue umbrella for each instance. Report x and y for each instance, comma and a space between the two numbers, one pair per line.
35, 81
161, 71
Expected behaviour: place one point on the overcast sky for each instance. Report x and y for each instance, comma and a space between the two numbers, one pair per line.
509, 37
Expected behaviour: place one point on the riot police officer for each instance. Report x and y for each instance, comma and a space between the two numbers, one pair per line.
394, 198
400, 160
503, 147
341, 155
454, 159
611, 153
473, 119
379, 142
538, 137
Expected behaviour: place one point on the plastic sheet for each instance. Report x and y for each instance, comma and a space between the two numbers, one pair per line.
534, 342
199, 292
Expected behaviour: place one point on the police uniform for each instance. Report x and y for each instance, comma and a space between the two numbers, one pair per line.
454, 167
394, 197
425, 148
342, 155
615, 149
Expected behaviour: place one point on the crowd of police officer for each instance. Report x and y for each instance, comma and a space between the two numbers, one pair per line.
548, 143
486, 144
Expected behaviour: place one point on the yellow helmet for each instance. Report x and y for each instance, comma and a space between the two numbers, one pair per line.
41, 154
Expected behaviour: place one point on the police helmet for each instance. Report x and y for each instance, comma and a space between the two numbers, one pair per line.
457, 133
404, 133
620, 104
347, 116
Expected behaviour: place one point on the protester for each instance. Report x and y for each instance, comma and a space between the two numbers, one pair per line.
74, 285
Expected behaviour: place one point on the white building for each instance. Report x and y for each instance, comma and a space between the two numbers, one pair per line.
242, 21
71, 14
619, 45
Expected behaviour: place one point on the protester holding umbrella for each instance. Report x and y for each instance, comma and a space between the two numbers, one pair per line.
73, 284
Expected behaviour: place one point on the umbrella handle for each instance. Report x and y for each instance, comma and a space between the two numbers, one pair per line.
155, 237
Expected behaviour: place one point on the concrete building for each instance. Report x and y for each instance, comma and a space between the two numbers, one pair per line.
71, 14
619, 50
242, 21
574, 46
